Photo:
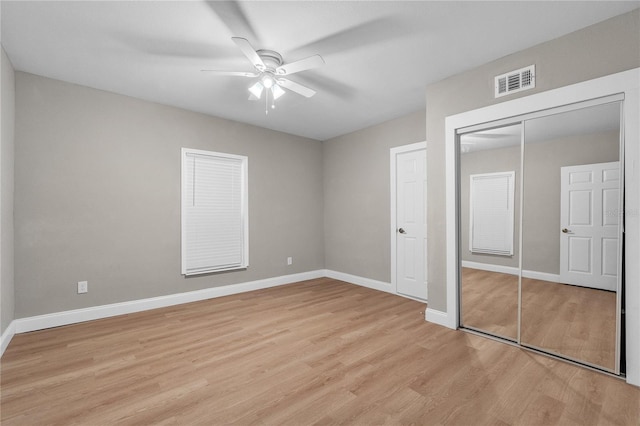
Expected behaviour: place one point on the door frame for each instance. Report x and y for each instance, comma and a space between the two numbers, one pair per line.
393, 153
627, 84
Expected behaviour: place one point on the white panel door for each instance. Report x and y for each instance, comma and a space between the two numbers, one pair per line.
411, 235
589, 208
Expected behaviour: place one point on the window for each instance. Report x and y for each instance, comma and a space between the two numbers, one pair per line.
491, 215
214, 212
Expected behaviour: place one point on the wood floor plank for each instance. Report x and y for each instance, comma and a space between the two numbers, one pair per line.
317, 352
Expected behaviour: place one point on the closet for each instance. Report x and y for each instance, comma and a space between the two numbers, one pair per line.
540, 231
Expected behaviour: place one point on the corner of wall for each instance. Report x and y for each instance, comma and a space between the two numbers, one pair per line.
6, 337
440, 318
7, 143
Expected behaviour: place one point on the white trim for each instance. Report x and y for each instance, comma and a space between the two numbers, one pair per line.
632, 230
7, 336
361, 281
627, 82
393, 152
440, 318
369, 283
57, 319
406, 296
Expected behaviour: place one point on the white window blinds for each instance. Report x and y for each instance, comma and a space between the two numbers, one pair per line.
214, 212
492, 214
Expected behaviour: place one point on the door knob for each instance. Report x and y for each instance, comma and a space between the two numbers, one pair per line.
402, 231
566, 231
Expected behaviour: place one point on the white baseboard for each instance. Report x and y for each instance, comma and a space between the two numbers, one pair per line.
440, 318
361, 281
7, 336
367, 282
57, 319
542, 276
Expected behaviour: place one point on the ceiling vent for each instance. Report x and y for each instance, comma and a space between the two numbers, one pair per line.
515, 81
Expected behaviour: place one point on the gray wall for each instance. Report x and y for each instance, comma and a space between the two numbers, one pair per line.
605, 48
356, 196
97, 178
97, 198
7, 114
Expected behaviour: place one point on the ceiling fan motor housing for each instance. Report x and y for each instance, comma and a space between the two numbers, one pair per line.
271, 60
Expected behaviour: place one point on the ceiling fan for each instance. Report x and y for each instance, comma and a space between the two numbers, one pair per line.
271, 72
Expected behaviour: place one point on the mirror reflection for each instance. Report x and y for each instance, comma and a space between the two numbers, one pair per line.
489, 205
570, 234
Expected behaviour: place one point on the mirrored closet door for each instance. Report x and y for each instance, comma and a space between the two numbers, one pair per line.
571, 234
541, 232
490, 203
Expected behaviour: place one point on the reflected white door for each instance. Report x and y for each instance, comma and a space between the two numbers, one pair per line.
589, 208
411, 235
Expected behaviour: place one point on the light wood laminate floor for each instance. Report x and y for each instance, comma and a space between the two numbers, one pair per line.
316, 352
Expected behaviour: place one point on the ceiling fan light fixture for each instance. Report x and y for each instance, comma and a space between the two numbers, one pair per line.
256, 89
277, 91
267, 81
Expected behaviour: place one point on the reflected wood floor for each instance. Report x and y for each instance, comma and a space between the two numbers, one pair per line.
316, 352
490, 302
575, 322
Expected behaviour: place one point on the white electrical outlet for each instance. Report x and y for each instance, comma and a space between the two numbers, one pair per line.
83, 287
289, 260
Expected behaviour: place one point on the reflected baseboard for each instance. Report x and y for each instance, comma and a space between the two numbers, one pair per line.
491, 267
536, 275
542, 276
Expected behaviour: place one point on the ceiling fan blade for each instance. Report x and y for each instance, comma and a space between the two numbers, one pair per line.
327, 85
301, 65
170, 47
296, 87
231, 13
233, 73
364, 34
249, 52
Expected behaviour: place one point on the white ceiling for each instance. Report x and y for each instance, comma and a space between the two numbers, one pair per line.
379, 56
